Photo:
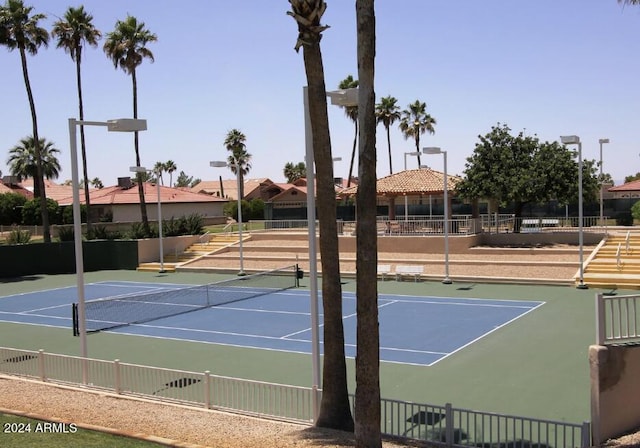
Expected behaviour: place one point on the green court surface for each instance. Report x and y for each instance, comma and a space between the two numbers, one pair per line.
536, 366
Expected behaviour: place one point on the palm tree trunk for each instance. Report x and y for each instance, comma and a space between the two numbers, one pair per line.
39, 179
367, 409
143, 204
334, 407
389, 146
353, 154
83, 148
418, 148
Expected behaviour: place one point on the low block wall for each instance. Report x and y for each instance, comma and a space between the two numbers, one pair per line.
615, 391
149, 249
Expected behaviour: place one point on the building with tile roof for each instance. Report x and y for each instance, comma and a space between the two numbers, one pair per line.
626, 191
123, 202
414, 185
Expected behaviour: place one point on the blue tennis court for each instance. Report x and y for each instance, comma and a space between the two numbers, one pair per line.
415, 330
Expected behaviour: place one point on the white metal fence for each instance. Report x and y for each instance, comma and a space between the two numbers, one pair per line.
617, 319
444, 425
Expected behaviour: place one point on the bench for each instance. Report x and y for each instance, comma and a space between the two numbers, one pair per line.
383, 270
415, 271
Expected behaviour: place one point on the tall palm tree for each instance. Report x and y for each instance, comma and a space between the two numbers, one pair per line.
72, 32
294, 172
158, 168
170, 167
239, 158
22, 160
352, 113
387, 113
19, 30
126, 46
416, 121
367, 409
96, 183
335, 411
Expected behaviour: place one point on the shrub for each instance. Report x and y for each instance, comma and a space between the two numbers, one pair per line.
65, 233
635, 210
102, 233
31, 212
11, 208
136, 232
193, 224
17, 236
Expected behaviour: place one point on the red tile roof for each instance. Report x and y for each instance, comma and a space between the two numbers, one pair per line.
629, 186
410, 182
118, 195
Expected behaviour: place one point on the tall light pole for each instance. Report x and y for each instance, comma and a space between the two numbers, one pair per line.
406, 204
601, 141
575, 140
141, 169
346, 97
437, 150
118, 125
236, 165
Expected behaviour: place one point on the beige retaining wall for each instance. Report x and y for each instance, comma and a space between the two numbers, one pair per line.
615, 391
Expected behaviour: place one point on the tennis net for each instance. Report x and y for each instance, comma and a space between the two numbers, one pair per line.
118, 311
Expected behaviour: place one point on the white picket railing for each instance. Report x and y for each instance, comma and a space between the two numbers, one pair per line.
617, 319
441, 425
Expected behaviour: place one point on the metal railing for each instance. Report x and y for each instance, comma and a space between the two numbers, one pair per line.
617, 319
442, 425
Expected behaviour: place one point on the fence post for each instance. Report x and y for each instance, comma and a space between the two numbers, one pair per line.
600, 319
448, 411
207, 389
41, 365
116, 372
585, 435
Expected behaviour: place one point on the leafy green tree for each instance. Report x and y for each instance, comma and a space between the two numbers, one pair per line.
72, 32
240, 160
631, 178
635, 210
335, 411
367, 409
416, 121
32, 215
522, 170
352, 113
184, 180
126, 46
11, 208
19, 30
387, 113
294, 172
22, 161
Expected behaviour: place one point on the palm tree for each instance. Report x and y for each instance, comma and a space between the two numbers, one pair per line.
96, 183
367, 407
19, 30
239, 158
72, 33
352, 113
335, 411
387, 113
294, 172
416, 121
126, 46
22, 160
158, 168
170, 167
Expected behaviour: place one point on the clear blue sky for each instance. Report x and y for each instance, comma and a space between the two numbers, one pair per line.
550, 67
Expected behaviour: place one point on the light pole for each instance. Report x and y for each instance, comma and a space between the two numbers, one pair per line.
601, 141
346, 97
406, 205
118, 125
141, 169
236, 165
575, 140
437, 150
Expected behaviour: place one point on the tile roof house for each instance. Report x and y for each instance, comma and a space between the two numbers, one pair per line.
52, 190
628, 190
410, 184
228, 188
10, 184
123, 202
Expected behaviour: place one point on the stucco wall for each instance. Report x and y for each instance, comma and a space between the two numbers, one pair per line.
149, 249
131, 212
615, 390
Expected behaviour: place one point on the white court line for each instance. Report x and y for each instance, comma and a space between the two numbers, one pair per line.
488, 333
